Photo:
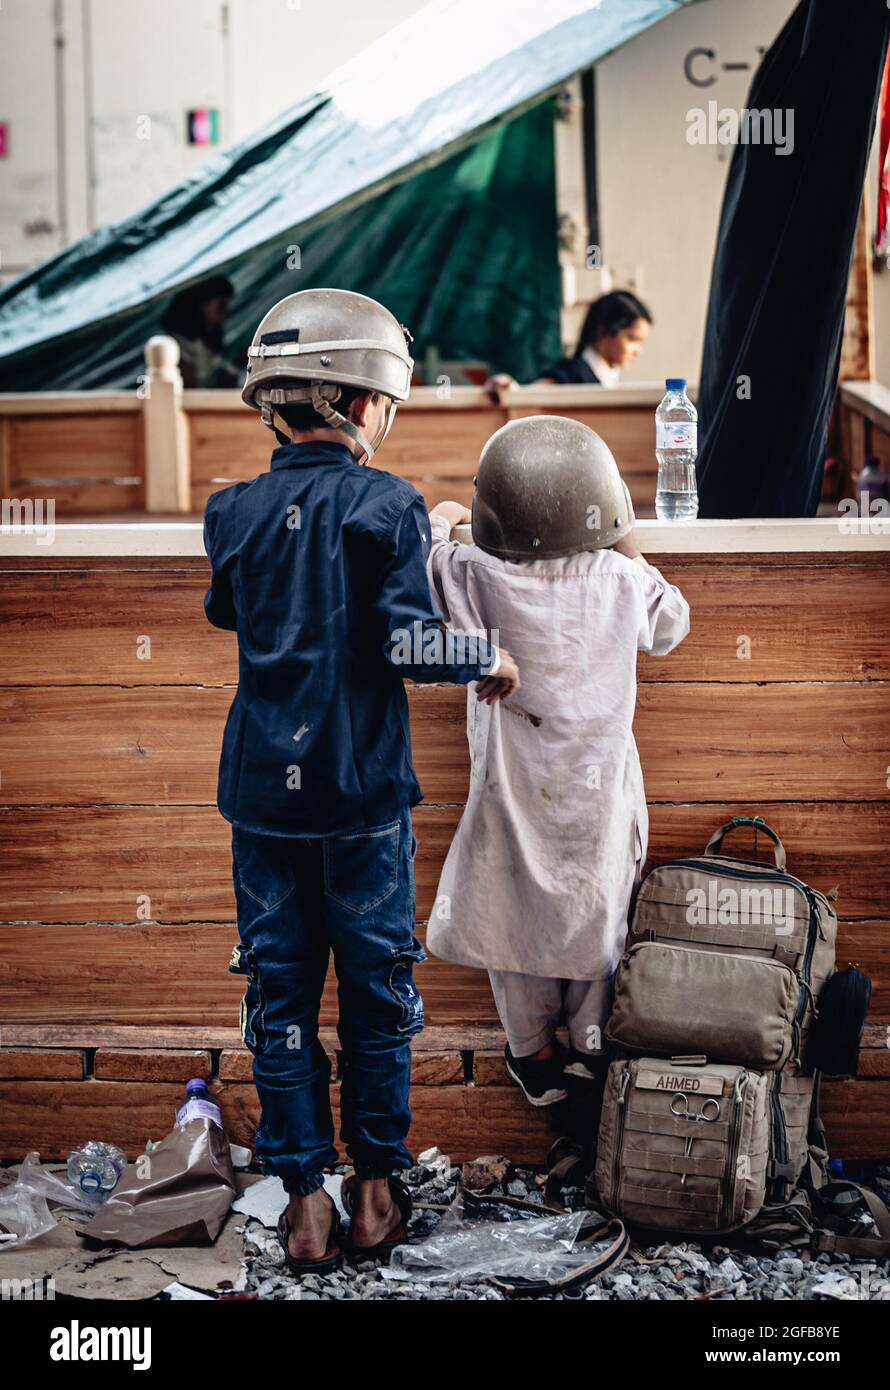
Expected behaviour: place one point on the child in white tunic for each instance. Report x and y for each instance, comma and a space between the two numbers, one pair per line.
539, 878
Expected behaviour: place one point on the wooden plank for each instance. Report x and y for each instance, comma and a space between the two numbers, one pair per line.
36, 403
828, 742
88, 498
435, 448
465, 1121
173, 864
125, 627
41, 1064
74, 976
450, 1038
121, 975
698, 742
140, 1064
751, 621
93, 447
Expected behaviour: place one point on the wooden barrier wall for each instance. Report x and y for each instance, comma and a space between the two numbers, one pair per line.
92, 452
115, 870
436, 443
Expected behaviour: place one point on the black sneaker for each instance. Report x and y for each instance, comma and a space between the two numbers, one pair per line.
587, 1066
542, 1082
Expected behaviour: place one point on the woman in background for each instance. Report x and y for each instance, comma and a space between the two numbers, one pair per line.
615, 328
195, 317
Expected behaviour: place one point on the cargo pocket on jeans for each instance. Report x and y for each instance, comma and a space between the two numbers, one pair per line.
251, 1015
403, 988
361, 868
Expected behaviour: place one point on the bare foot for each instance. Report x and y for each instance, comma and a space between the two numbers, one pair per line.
375, 1214
310, 1220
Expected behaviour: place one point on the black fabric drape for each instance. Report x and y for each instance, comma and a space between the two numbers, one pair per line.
781, 266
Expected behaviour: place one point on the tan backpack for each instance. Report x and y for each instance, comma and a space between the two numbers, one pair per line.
710, 1113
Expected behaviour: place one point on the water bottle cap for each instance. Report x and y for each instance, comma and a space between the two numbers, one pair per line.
197, 1083
676, 383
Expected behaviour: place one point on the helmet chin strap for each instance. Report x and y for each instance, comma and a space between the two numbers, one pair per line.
323, 407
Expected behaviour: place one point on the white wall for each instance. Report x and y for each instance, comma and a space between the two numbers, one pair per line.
96, 94
659, 196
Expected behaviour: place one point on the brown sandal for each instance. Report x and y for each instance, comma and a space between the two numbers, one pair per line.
324, 1263
381, 1251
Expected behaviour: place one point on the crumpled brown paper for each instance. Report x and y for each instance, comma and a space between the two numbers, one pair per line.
182, 1199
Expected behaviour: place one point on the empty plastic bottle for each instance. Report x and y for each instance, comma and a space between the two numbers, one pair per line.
676, 447
95, 1168
198, 1104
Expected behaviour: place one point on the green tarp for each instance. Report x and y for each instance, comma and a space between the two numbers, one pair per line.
421, 173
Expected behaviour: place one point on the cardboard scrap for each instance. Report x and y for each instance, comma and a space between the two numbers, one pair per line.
128, 1275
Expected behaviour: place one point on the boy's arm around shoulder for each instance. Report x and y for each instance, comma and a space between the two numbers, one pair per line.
414, 639
219, 603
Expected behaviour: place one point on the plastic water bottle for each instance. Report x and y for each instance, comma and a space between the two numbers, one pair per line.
198, 1104
95, 1168
676, 446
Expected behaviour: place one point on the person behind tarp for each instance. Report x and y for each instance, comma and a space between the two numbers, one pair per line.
612, 336
319, 565
195, 317
538, 881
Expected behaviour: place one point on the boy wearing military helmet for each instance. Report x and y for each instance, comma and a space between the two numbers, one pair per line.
319, 565
539, 877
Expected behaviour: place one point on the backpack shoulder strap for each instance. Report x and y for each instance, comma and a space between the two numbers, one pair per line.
599, 1265
838, 1233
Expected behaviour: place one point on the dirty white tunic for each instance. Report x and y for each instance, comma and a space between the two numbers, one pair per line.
541, 870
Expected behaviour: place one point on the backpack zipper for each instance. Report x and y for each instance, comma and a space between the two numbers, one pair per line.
780, 1144
619, 1138
741, 1082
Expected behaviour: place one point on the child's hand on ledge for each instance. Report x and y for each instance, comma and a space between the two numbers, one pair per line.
455, 513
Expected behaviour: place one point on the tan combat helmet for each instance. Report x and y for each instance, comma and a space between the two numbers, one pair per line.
548, 486
311, 344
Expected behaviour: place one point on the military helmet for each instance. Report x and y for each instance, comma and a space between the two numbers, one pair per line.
546, 486
313, 343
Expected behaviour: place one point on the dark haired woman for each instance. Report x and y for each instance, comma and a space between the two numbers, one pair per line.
195, 318
615, 328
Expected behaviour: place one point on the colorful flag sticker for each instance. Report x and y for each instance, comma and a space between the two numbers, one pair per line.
203, 126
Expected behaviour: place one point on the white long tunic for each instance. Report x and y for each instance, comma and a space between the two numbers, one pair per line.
541, 870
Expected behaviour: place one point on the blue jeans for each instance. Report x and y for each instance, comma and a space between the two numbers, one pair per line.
298, 900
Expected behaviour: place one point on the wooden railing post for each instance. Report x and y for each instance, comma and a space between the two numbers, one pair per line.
167, 464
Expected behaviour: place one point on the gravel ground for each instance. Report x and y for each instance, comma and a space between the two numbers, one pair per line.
685, 1270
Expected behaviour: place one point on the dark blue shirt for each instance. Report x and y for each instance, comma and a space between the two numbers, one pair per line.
573, 371
320, 567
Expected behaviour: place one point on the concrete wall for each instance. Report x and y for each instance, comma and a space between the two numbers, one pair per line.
95, 94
